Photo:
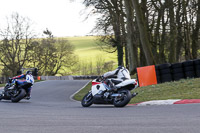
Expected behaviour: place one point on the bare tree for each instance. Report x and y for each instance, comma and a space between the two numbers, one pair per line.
17, 38
52, 55
168, 30
110, 25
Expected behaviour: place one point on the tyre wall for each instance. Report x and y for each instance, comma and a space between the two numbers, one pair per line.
165, 72
176, 71
197, 67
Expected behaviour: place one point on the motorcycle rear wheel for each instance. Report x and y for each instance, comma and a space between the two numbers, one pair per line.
87, 100
124, 100
21, 94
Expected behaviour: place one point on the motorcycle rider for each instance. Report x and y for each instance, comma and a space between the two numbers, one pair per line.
28, 79
122, 74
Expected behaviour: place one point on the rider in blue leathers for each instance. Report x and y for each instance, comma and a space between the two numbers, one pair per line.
28, 79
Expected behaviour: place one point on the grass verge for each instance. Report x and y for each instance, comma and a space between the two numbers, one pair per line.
2, 85
183, 89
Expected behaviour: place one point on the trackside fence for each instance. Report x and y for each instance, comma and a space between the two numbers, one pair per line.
67, 77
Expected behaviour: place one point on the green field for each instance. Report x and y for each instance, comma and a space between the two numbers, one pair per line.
88, 53
86, 49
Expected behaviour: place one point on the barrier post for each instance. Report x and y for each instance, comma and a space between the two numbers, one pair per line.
38, 78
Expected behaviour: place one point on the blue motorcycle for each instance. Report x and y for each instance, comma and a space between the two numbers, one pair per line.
14, 91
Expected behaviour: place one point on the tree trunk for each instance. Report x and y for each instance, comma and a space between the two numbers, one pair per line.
179, 37
195, 45
172, 54
186, 32
116, 28
162, 57
115, 15
131, 43
143, 33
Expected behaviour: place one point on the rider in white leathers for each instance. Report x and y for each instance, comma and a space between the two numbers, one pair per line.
122, 75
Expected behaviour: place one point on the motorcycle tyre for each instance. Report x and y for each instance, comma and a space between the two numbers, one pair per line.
88, 103
1, 97
125, 101
20, 96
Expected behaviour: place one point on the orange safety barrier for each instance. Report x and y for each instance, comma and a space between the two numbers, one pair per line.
38, 78
147, 75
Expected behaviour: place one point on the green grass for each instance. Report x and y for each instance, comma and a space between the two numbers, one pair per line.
183, 89
2, 85
83, 42
86, 48
89, 54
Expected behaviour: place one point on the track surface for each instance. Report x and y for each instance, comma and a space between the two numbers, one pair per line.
51, 111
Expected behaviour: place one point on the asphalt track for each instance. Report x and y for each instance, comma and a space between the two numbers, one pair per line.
52, 111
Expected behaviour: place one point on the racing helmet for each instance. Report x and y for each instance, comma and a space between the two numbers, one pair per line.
120, 67
28, 72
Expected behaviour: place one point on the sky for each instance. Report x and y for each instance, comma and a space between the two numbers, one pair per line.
62, 17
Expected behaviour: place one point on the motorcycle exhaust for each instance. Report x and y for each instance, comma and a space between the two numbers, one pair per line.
116, 95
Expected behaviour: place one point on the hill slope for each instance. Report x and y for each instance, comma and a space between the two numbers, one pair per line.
87, 49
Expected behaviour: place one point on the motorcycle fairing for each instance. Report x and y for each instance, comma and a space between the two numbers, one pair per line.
127, 82
98, 87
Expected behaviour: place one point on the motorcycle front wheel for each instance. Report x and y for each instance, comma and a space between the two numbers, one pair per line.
20, 94
87, 100
1, 97
124, 100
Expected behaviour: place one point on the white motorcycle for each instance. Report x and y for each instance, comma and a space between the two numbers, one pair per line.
100, 94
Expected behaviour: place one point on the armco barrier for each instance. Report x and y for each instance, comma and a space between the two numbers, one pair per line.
84, 77
56, 77
67, 77
3, 80
70, 77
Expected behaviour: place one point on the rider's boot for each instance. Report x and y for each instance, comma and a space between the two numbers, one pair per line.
28, 97
134, 94
112, 87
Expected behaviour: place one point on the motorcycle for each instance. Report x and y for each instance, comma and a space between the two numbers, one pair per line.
14, 92
99, 93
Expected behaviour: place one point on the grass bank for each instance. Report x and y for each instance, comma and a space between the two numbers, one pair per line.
183, 89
